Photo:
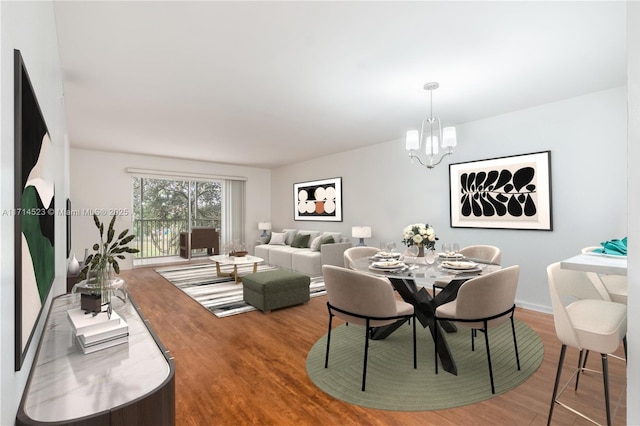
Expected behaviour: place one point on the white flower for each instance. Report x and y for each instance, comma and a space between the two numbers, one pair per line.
419, 234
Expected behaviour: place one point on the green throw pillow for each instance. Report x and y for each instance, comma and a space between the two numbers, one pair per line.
301, 241
327, 240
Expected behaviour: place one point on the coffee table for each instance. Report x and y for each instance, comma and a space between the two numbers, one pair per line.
223, 259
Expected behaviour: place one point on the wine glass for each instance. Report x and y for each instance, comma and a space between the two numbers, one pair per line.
391, 247
430, 256
455, 247
446, 249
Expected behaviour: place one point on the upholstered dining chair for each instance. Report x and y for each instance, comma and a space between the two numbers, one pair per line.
585, 323
615, 285
364, 299
491, 255
488, 254
353, 253
482, 303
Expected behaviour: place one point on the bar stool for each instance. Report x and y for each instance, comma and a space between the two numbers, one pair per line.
585, 324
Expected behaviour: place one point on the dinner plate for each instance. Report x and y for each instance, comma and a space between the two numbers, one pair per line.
392, 264
386, 255
451, 256
459, 265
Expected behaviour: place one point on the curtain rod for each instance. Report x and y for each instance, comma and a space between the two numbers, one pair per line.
165, 173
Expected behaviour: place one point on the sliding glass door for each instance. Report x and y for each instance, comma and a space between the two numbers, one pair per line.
163, 208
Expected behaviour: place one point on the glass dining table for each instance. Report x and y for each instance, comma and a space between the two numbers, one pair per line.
411, 280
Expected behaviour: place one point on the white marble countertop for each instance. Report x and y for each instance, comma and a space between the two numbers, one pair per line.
594, 262
66, 384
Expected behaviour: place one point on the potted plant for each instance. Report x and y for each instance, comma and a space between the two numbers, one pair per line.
96, 273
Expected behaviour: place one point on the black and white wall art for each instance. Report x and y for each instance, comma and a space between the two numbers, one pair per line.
319, 200
502, 193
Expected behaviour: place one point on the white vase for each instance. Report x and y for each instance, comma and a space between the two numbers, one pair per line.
74, 266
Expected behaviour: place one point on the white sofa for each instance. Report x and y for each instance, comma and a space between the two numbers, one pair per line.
306, 260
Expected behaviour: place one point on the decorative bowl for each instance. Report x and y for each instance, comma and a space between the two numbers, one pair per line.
241, 253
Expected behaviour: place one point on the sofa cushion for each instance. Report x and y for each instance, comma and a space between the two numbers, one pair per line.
307, 262
290, 234
281, 256
327, 239
301, 241
312, 235
315, 244
337, 236
277, 238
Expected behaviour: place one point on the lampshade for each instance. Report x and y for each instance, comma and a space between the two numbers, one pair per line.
413, 140
264, 226
449, 137
432, 147
361, 232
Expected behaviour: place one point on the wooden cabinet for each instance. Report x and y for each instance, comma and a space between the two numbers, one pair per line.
128, 384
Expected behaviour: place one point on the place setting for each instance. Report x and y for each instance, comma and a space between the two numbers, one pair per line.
388, 266
460, 268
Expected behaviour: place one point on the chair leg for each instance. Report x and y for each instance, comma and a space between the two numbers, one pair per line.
473, 341
326, 357
515, 342
605, 379
486, 342
581, 366
415, 354
555, 386
435, 345
366, 353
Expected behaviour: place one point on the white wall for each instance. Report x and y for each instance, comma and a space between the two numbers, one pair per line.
99, 181
382, 189
29, 27
633, 304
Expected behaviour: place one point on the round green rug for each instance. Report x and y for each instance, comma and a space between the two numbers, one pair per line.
392, 382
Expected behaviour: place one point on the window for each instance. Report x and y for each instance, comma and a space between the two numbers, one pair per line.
163, 208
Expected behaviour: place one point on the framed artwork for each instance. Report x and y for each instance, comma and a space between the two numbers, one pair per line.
502, 193
34, 211
319, 200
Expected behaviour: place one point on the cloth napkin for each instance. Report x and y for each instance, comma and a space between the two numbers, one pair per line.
614, 247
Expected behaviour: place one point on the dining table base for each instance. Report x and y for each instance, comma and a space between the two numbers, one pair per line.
425, 306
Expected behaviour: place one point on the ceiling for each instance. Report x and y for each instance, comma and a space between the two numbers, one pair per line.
271, 83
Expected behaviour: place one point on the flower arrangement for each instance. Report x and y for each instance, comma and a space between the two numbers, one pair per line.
419, 234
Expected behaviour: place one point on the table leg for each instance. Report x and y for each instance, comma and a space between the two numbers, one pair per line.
255, 267
235, 274
424, 307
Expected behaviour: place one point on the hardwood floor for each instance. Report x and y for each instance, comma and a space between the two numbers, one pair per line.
250, 369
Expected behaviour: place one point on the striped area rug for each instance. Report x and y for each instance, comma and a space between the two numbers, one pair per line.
220, 295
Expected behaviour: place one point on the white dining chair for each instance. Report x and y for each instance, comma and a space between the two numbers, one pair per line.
586, 323
366, 300
357, 252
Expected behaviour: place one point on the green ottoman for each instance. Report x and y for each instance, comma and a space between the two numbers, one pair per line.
275, 289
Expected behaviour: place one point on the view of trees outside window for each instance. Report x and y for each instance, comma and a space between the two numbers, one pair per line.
163, 208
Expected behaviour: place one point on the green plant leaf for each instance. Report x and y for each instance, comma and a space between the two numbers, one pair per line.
111, 231
122, 234
96, 247
96, 221
127, 240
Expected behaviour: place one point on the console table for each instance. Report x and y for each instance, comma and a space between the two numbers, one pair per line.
127, 384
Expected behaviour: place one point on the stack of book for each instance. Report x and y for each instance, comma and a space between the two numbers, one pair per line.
95, 332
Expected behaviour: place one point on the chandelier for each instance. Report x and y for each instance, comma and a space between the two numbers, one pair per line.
432, 134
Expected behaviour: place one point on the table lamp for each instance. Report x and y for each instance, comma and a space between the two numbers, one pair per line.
264, 227
361, 232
